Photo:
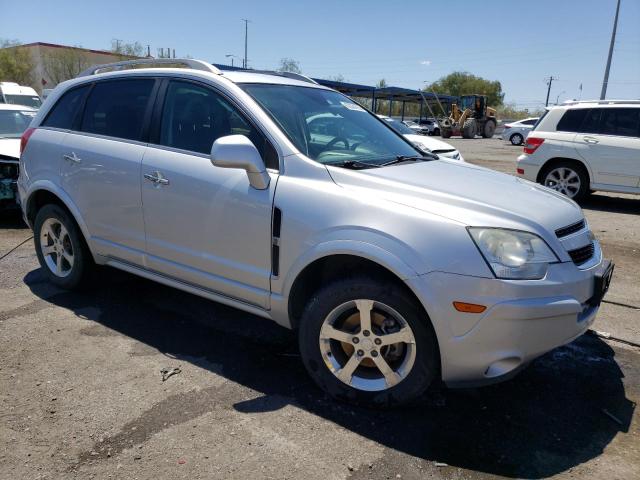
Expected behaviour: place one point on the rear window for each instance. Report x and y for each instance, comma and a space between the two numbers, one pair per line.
117, 108
572, 120
624, 122
64, 112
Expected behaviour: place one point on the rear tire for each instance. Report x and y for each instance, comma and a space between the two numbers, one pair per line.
436, 132
350, 367
516, 139
567, 177
469, 128
61, 249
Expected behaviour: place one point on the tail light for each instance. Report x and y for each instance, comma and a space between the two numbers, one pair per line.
25, 138
507, 127
532, 144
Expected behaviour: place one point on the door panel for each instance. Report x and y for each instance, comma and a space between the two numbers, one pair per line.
208, 226
613, 160
102, 176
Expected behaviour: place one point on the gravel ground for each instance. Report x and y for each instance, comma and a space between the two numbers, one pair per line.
81, 394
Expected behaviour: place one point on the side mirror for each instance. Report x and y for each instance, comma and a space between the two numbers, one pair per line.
237, 151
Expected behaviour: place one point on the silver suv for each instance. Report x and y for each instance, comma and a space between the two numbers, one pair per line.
290, 201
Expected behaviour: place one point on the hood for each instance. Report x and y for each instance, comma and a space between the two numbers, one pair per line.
430, 142
465, 193
10, 147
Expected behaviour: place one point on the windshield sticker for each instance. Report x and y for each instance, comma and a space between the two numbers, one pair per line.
352, 106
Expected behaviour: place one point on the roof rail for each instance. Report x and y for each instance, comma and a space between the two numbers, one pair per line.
294, 76
600, 102
127, 64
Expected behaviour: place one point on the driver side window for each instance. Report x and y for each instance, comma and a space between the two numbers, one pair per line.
193, 117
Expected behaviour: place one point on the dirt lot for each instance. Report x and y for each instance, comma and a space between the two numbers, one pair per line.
81, 394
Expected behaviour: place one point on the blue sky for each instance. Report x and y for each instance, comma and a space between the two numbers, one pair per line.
407, 43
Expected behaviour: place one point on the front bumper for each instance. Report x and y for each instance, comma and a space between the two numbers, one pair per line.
523, 319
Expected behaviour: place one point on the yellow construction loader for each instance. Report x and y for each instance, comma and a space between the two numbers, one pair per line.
469, 117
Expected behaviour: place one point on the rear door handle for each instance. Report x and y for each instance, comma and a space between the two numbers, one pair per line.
73, 158
590, 140
157, 178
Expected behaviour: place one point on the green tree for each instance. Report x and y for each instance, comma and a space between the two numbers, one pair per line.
465, 83
16, 64
289, 65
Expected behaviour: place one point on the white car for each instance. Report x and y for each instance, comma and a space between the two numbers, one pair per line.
12, 93
414, 126
427, 144
286, 199
580, 147
516, 132
14, 120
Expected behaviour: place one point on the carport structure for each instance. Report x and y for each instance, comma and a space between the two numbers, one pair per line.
382, 99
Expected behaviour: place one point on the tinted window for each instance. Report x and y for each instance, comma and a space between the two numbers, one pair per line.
590, 122
117, 108
64, 112
572, 119
529, 122
194, 117
28, 100
624, 122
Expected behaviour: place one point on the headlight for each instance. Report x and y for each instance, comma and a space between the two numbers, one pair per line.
513, 254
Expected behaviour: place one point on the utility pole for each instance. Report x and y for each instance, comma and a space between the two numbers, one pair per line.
603, 93
549, 82
245, 63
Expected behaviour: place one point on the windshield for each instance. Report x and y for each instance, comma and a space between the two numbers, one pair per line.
399, 127
28, 100
14, 122
329, 127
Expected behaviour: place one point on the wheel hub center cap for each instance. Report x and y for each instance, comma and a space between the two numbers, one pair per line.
366, 344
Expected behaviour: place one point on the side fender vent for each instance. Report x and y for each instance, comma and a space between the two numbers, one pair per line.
275, 241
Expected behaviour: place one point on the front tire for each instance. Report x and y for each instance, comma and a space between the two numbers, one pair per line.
367, 342
61, 250
469, 128
489, 129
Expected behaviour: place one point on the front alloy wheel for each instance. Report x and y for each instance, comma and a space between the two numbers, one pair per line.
367, 345
368, 341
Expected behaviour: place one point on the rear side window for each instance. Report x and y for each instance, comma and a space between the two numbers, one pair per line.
624, 122
65, 111
572, 119
117, 108
591, 121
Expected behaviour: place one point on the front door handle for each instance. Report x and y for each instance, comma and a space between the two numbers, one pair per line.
73, 158
590, 140
157, 178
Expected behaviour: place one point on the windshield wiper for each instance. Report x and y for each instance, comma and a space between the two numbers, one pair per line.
409, 158
353, 164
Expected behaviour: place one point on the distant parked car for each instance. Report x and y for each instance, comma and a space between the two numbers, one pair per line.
15, 94
424, 143
580, 147
516, 132
14, 120
431, 124
416, 127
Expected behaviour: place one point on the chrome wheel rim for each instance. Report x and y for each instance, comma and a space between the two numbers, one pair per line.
563, 180
516, 139
367, 345
56, 247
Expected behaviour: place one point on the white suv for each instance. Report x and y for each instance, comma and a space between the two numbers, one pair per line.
288, 200
580, 147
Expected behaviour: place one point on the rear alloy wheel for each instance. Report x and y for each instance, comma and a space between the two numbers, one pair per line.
568, 179
61, 251
516, 139
367, 343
